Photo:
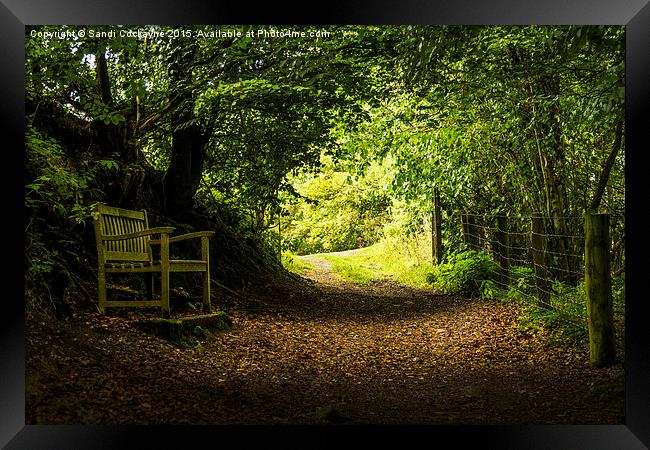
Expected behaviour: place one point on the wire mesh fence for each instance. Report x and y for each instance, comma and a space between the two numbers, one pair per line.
540, 258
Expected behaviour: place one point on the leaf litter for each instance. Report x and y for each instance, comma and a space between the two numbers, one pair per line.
319, 352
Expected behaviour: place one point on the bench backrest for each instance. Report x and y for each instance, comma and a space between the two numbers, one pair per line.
109, 221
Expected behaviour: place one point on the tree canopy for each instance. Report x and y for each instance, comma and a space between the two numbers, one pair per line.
229, 122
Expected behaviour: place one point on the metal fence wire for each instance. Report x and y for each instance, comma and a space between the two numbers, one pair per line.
541, 258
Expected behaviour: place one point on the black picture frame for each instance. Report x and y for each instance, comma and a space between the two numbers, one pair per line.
634, 14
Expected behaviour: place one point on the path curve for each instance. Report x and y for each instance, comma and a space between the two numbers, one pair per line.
327, 352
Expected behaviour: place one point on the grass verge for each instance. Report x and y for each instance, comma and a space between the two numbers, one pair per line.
384, 260
295, 265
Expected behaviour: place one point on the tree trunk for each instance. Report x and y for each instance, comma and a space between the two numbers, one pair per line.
184, 173
607, 168
552, 163
470, 232
116, 136
103, 80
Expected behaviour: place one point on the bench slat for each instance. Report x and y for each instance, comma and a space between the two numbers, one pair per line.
146, 267
119, 212
122, 256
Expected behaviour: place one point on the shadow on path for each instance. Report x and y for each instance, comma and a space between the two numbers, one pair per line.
314, 353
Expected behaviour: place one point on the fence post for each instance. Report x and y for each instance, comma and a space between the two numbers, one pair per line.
437, 225
504, 248
280, 238
464, 220
598, 287
539, 260
433, 237
469, 231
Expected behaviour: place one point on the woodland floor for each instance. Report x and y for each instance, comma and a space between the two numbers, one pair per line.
325, 352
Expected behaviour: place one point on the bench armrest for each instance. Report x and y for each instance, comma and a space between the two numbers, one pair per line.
137, 234
184, 237
196, 234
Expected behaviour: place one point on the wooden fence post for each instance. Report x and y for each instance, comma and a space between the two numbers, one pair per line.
503, 246
437, 226
280, 238
433, 236
598, 287
538, 239
469, 231
464, 221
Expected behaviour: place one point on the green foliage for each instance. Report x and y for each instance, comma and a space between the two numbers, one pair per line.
271, 110
342, 139
522, 286
55, 193
566, 317
200, 332
485, 117
52, 181
404, 261
405, 258
618, 297
337, 210
291, 262
464, 272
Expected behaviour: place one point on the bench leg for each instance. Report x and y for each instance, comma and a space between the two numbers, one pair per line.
206, 292
164, 293
164, 275
205, 256
101, 290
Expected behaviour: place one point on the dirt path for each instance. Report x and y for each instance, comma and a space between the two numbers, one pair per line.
324, 353
321, 271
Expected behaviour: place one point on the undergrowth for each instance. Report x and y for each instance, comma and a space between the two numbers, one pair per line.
565, 316
464, 273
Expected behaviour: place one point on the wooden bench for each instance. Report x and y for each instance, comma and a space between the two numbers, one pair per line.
125, 245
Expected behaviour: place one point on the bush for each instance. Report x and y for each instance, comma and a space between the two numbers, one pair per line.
618, 297
465, 273
522, 286
565, 316
57, 206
